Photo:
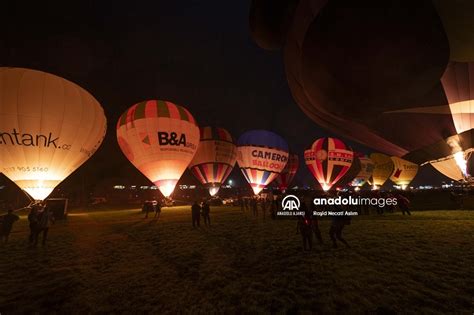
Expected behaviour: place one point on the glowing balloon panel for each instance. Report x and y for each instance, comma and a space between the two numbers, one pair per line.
160, 139
49, 127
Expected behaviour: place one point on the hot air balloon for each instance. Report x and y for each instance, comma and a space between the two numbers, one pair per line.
49, 127
459, 89
288, 173
215, 158
369, 95
366, 170
350, 175
383, 168
160, 139
261, 155
403, 172
328, 159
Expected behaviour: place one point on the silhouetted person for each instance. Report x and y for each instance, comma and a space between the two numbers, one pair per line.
304, 226
253, 203
264, 206
157, 209
403, 204
147, 207
335, 231
315, 224
33, 219
246, 203
7, 224
45, 220
205, 213
195, 213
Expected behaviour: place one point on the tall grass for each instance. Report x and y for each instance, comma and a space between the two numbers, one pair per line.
120, 262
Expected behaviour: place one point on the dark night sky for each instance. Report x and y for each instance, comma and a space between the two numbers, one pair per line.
196, 53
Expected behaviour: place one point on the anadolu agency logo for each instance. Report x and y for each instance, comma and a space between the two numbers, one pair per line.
290, 202
290, 207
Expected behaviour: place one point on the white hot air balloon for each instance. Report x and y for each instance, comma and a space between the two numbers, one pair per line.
48, 127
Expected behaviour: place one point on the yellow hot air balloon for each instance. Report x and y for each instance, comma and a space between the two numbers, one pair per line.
160, 139
383, 168
49, 126
403, 172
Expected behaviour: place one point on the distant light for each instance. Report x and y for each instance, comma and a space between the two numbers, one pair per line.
144, 187
133, 187
119, 187
213, 191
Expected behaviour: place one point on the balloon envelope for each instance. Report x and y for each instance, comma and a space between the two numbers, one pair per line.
383, 168
215, 158
403, 172
49, 127
288, 173
261, 155
366, 170
160, 139
328, 159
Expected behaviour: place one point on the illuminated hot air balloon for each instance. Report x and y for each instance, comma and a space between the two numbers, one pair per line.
328, 159
403, 172
383, 168
160, 139
366, 170
458, 85
350, 174
215, 158
288, 173
261, 155
49, 126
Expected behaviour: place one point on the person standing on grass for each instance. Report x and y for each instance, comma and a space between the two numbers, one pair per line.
7, 224
335, 231
304, 226
241, 203
33, 219
246, 203
196, 213
147, 207
157, 209
264, 206
253, 203
315, 224
403, 204
45, 220
205, 213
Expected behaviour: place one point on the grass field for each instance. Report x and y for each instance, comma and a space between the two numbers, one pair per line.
119, 262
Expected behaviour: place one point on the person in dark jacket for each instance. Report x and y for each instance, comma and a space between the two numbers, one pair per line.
7, 224
157, 209
304, 226
403, 204
335, 231
33, 219
206, 213
196, 213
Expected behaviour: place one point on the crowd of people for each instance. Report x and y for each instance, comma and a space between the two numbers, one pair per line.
40, 219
